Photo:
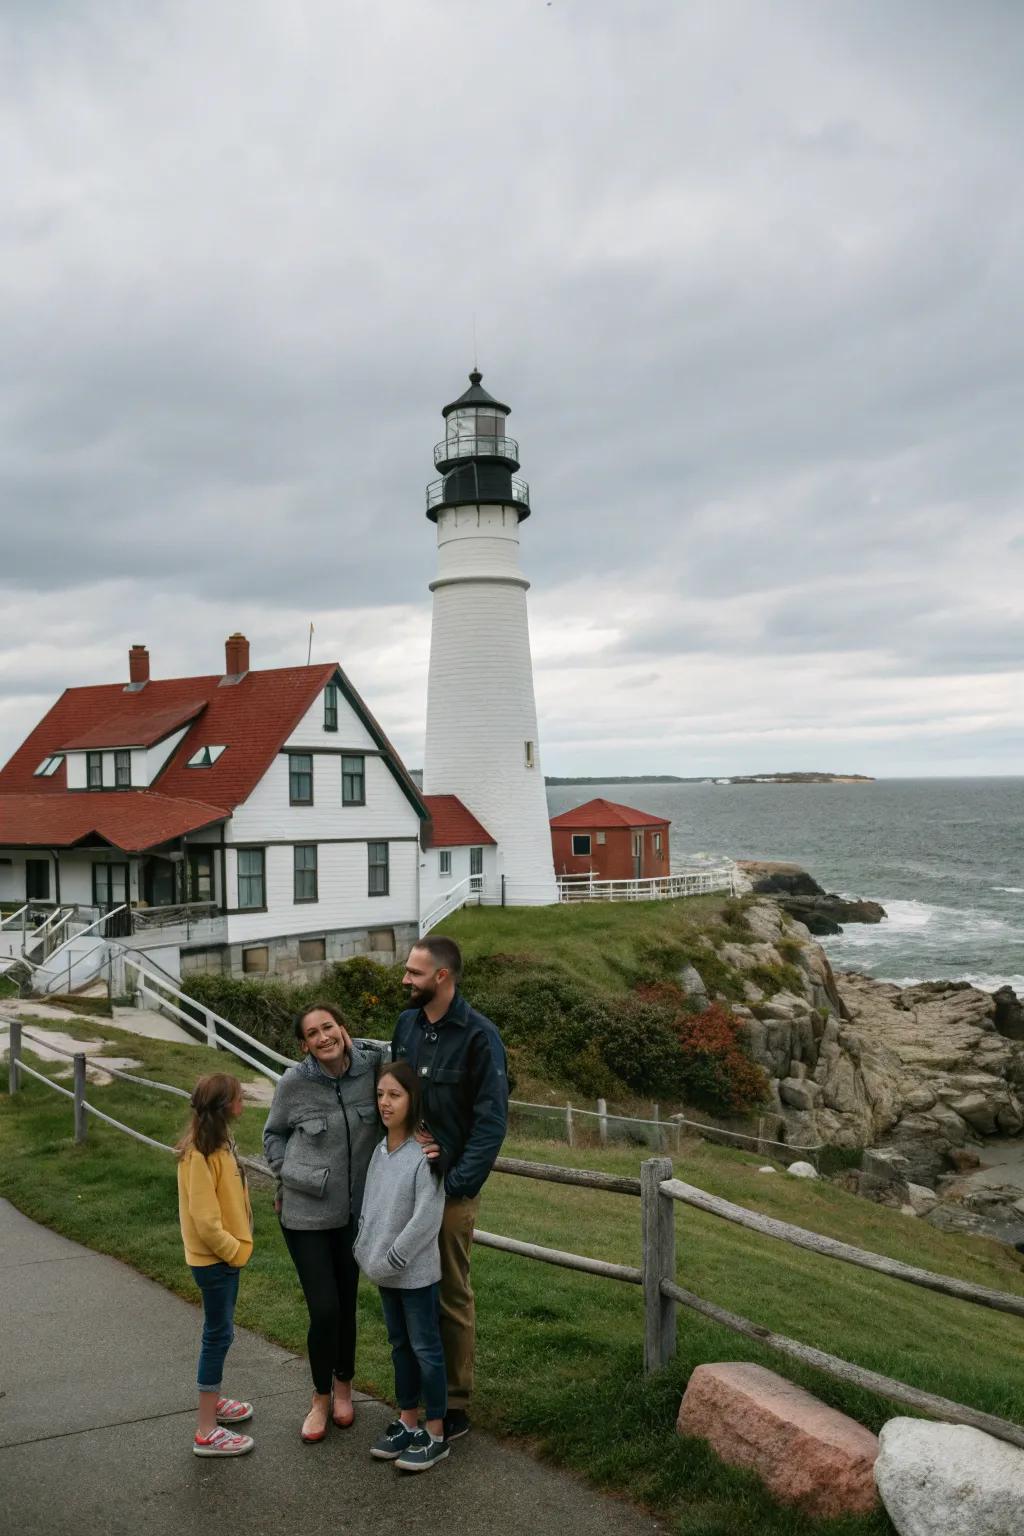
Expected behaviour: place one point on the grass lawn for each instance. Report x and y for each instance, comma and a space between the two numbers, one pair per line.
7, 987
560, 1353
596, 943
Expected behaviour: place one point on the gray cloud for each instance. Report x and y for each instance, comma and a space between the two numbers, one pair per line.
749, 277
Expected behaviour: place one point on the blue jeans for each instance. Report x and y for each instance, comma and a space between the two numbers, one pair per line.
219, 1286
414, 1333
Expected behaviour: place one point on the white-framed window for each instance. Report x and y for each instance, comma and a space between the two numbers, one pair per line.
601, 838
300, 778
304, 863
353, 780
377, 866
204, 757
48, 766
581, 845
122, 770
94, 770
444, 862
529, 755
331, 707
251, 879
657, 842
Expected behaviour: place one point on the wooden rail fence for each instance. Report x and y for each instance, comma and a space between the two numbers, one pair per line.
658, 1192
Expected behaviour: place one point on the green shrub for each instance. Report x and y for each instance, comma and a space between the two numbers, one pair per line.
600, 1042
717, 1071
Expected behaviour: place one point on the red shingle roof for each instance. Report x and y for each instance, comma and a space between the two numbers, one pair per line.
136, 728
131, 820
606, 813
452, 825
251, 719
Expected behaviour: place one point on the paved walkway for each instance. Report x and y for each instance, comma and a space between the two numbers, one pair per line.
97, 1414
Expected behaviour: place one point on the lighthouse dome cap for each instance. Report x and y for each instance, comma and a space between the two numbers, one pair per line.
475, 395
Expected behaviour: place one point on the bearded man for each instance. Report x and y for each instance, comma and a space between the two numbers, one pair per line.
460, 1061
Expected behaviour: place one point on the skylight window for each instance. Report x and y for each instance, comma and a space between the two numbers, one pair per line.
205, 757
48, 766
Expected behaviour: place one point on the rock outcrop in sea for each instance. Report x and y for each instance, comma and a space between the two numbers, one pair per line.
799, 894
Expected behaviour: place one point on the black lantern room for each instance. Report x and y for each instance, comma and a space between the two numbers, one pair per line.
477, 459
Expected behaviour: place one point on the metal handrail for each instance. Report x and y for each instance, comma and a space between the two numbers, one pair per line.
12, 915
165, 917
83, 931
40, 932
448, 904
481, 447
520, 493
212, 1018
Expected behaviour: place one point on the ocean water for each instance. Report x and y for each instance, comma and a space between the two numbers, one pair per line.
945, 857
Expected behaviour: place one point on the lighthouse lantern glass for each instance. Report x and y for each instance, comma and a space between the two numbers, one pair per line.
467, 425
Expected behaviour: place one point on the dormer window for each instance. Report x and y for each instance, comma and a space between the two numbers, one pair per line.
205, 757
331, 707
122, 770
48, 766
94, 770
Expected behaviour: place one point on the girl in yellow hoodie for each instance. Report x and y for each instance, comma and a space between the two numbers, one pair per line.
216, 1228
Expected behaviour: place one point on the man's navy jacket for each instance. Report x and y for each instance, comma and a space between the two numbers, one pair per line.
461, 1064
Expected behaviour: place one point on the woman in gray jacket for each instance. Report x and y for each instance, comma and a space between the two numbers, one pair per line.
318, 1139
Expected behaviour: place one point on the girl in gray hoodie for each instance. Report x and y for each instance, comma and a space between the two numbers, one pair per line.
396, 1247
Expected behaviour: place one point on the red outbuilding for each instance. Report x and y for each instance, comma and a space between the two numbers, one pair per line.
610, 842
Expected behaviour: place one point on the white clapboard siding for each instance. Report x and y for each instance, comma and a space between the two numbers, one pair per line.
342, 881
267, 815
351, 731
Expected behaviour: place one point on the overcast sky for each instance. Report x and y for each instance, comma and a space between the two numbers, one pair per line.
750, 276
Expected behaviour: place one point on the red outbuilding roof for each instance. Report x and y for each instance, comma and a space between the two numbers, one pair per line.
131, 819
606, 813
452, 825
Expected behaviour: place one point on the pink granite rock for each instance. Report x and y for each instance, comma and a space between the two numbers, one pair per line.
804, 1453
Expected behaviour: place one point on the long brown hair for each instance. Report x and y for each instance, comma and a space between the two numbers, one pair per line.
208, 1130
406, 1078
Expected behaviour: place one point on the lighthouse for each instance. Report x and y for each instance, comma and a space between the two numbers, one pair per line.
482, 742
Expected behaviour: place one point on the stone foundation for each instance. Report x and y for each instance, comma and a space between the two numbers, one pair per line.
284, 960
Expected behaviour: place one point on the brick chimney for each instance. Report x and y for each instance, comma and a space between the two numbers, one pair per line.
236, 655
138, 664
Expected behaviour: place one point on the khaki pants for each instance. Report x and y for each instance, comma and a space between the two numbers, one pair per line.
458, 1309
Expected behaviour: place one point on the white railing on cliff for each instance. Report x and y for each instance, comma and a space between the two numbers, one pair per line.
699, 881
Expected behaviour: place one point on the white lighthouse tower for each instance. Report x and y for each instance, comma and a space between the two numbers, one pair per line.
481, 716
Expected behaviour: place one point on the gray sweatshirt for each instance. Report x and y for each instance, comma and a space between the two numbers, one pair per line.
318, 1139
402, 1209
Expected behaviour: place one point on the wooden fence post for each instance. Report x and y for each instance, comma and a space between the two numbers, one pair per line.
602, 1121
568, 1124
81, 1114
13, 1075
658, 1263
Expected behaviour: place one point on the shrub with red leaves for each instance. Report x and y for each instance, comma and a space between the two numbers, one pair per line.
716, 1069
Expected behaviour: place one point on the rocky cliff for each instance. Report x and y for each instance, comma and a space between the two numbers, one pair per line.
855, 1062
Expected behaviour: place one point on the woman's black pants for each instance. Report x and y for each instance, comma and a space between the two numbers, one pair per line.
329, 1278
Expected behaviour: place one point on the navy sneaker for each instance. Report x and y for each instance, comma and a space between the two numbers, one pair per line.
395, 1439
422, 1452
456, 1423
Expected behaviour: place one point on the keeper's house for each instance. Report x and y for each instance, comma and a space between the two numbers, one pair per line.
605, 841
242, 822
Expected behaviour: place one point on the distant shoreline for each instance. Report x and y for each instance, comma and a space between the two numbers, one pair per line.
736, 778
